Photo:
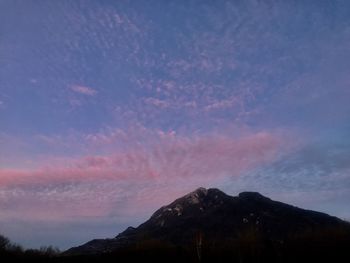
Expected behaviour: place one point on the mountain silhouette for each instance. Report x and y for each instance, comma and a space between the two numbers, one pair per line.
213, 218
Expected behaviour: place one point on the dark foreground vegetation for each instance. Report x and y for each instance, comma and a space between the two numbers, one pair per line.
12, 252
329, 245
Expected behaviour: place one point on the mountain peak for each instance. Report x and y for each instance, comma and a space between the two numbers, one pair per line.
220, 217
201, 190
193, 202
200, 195
193, 197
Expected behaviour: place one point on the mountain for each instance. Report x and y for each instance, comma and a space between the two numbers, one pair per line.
212, 218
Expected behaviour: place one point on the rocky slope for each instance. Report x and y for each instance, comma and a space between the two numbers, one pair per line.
214, 217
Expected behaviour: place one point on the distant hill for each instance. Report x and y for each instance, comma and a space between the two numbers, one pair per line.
206, 221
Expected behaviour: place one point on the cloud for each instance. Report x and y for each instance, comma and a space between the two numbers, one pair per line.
317, 165
156, 102
131, 182
222, 104
314, 175
172, 157
83, 90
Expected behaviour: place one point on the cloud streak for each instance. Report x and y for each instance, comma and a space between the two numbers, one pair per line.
84, 90
162, 168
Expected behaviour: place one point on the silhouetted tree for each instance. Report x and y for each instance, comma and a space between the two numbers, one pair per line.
4, 242
49, 251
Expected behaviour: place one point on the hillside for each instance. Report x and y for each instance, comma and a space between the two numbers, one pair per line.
212, 219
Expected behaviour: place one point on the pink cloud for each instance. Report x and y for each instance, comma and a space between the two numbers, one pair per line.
172, 156
83, 90
96, 161
195, 99
156, 102
222, 104
142, 177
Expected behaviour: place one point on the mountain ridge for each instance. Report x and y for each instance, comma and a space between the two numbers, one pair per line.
217, 217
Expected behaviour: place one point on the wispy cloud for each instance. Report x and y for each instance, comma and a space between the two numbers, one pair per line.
162, 168
172, 156
222, 104
83, 90
156, 102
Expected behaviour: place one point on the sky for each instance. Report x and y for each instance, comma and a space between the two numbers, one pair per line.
111, 109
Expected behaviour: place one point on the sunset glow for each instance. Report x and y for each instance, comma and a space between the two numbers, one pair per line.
111, 109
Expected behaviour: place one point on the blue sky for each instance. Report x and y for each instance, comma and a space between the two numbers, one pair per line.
110, 109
